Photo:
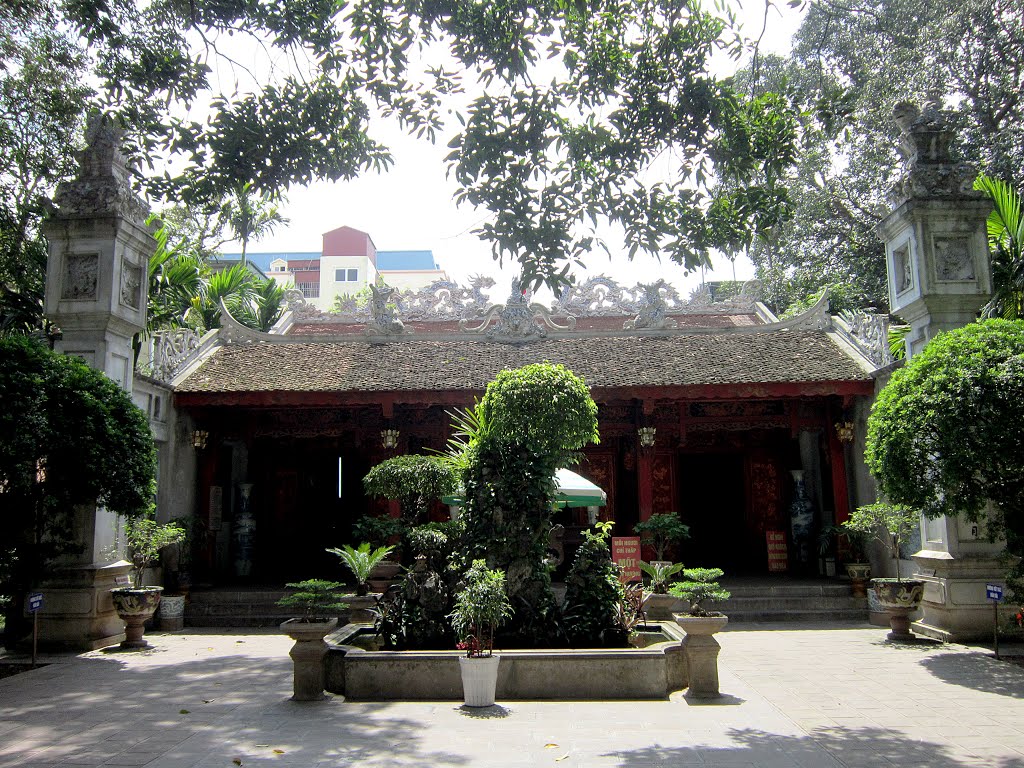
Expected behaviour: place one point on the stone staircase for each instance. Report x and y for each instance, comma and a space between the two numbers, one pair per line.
771, 600
755, 599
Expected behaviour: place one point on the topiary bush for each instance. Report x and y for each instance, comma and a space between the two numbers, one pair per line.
414, 481
530, 422
69, 436
946, 434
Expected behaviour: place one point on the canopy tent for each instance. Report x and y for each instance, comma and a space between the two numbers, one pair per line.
571, 490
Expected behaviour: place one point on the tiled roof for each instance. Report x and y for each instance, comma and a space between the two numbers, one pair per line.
604, 361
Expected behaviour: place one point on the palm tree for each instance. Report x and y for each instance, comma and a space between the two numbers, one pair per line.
235, 286
264, 307
250, 217
1005, 239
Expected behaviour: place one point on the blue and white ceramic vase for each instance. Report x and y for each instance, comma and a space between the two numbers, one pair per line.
801, 516
244, 531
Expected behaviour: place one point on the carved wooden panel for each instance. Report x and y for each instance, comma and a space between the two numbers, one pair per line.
663, 477
599, 468
764, 499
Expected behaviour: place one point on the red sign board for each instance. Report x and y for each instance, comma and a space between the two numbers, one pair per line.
626, 555
778, 557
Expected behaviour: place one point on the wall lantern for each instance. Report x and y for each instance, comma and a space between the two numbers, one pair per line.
646, 435
844, 431
389, 438
199, 437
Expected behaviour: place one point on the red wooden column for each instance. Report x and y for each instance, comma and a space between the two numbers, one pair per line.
645, 466
645, 481
840, 484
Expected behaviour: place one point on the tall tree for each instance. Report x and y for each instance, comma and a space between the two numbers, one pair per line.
560, 115
41, 103
851, 63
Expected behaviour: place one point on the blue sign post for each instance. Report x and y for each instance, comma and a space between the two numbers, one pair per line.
994, 592
35, 602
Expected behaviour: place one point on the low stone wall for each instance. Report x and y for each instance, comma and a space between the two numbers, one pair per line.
590, 673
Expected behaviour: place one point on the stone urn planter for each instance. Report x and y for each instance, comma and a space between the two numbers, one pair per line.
308, 655
701, 650
661, 606
135, 606
171, 613
859, 574
479, 679
899, 597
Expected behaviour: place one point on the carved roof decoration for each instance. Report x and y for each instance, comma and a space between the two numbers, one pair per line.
517, 318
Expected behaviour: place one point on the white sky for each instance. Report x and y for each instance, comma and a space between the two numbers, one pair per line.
411, 206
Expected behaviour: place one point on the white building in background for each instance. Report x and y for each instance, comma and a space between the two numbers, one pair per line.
348, 263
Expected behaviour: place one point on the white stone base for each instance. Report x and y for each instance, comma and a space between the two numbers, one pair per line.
954, 607
77, 611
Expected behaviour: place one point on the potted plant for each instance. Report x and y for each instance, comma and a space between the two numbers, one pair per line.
318, 604
362, 561
661, 531
891, 524
136, 604
657, 602
700, 587
851, 545
480, 608
628, 615
178, 578
380, 531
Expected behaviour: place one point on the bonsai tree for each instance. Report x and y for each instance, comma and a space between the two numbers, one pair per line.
700, 586
890, 524
660, 575
315, 599
69, 436
361, 562
662, 530
144, 538
414, 481
480, 608
945, 435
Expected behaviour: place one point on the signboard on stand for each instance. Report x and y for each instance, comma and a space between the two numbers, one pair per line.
778, 555
626, 555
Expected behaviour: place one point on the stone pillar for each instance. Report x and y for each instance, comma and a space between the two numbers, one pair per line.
96, 293
939, 278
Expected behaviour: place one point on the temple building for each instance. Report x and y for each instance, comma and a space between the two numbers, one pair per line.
705, 409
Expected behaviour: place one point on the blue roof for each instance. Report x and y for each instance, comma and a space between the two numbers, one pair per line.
262, 260
392, 261
387, 261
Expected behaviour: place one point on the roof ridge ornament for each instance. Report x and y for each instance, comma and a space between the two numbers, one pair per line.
653, 309
517, 318
384, 320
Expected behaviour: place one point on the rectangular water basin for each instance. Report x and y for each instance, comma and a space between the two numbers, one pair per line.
652, 672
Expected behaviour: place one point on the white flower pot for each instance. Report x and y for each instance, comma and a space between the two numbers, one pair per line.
479, 679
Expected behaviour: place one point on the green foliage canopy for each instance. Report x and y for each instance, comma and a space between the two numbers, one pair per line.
413, 480
946, 434
556, 114
68, 436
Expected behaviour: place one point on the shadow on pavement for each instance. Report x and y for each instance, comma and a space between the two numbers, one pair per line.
822, 748
982, 673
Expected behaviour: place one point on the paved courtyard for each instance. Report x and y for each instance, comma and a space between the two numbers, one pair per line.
802, 696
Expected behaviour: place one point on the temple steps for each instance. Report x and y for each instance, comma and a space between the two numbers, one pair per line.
754, 600
764, 601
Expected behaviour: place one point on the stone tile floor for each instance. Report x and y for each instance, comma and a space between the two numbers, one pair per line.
796, 697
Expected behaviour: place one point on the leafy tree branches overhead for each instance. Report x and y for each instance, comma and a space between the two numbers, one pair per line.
578, 113
851, 63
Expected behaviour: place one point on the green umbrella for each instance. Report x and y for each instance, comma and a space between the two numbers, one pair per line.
571, 490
